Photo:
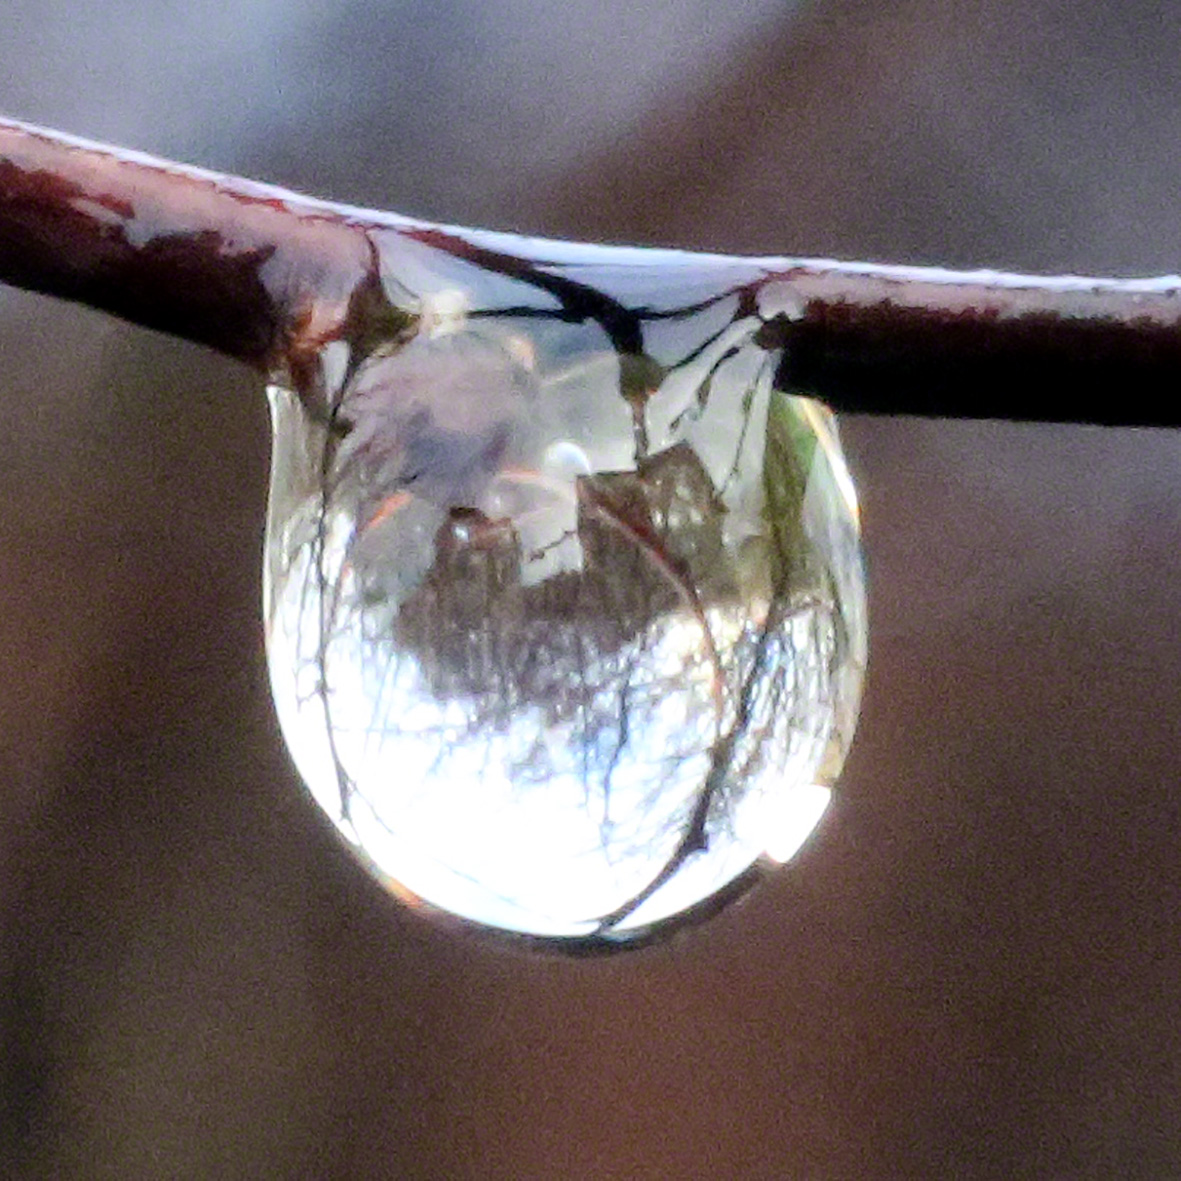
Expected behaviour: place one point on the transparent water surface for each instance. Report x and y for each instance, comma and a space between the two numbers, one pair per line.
565, 605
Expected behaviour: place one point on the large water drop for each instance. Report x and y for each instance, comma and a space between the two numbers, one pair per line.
565, 607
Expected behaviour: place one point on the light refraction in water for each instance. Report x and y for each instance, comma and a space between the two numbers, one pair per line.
565, 605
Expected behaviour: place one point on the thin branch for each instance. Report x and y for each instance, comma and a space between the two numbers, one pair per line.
910, 340
268, 276
249, 270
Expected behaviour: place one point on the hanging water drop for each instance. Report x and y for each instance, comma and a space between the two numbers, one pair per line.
559, 654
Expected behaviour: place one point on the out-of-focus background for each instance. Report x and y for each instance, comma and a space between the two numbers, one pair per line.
974, 969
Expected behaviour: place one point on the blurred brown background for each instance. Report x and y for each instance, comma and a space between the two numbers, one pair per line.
972, 970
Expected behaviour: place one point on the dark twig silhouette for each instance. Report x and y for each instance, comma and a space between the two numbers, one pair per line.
268, 276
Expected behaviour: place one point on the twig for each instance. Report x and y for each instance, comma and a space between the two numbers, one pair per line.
267, 276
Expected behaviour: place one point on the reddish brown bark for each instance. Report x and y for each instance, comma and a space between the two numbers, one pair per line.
266, 276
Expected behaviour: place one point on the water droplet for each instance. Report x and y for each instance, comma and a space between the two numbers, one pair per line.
565, 606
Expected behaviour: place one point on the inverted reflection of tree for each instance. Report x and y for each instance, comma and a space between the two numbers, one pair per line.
533, 659
303, 551
588, 692
329, 591
621, 740
445, 612
644, 513
781, 464
370, 653
780, 718
473, 632
748, 395
695, 834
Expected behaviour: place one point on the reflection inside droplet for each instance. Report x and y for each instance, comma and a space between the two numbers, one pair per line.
563, 635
